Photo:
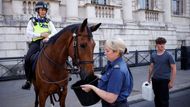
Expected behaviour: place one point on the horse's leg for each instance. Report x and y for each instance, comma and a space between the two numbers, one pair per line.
51, 100
42, 99
62, 96
36, 100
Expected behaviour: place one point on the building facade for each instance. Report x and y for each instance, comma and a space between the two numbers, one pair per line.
137, 22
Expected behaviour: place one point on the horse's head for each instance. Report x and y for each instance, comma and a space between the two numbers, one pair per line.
82, 48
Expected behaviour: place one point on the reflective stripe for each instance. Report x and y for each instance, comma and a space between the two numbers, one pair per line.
40, 28
35, 39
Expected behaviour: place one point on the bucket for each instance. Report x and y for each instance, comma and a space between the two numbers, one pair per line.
147, 92
86, 98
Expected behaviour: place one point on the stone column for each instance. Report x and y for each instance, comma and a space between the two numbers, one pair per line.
72, 9
127, 10
167, 10
188, 8
1, 7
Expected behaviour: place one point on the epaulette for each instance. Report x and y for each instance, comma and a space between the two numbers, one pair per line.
116, 66
33, 19
47, 20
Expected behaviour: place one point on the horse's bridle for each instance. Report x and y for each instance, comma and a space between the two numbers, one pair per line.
76, 61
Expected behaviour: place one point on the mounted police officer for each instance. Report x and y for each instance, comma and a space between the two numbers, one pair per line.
39, 28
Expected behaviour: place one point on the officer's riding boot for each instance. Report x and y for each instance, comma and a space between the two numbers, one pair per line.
27, 85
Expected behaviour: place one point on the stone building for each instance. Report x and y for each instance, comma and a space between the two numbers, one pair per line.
138, 22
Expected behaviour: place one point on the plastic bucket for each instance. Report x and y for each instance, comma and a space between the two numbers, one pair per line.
86, 98
147, 92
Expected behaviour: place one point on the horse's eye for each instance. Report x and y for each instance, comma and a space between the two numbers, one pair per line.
83, 45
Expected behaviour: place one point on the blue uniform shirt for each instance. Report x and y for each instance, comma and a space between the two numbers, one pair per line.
115, 79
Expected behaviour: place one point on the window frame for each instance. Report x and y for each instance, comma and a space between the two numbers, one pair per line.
100, 2
178, 7
147, 4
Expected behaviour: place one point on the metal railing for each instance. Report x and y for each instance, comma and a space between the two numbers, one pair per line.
12, 68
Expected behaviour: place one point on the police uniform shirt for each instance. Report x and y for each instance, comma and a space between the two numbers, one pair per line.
30, 30
114, 79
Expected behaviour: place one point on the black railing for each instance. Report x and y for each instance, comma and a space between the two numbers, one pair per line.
12, 67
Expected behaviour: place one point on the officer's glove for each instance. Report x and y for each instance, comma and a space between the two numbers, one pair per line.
45, 39
45, 35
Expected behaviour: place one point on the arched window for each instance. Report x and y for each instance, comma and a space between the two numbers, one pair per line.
29, 8
48, 12
34, 4
24, 7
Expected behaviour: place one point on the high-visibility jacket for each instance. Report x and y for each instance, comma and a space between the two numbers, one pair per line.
40, 27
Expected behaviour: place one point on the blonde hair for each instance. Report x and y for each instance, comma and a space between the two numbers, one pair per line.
117, 44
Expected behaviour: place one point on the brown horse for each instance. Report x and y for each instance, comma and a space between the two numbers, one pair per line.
51, 74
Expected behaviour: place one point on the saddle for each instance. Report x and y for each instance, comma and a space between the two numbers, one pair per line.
34, 58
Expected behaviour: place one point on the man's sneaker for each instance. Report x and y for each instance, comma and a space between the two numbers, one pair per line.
26, 86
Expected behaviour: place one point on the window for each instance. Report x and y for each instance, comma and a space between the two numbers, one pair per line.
147, 4
101, 45
178, 7
48, 12
29, 8
24, 7
104, 2
34, 4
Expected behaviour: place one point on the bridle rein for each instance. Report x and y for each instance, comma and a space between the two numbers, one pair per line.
76, 61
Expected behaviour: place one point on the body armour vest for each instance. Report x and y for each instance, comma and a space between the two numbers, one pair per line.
40, 26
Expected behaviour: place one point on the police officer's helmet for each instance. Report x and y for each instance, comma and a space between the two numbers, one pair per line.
41, 4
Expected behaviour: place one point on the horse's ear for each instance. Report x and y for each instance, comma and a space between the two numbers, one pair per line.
95, 27
84, 24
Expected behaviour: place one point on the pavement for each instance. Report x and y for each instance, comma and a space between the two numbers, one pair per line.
11, 94
140, 75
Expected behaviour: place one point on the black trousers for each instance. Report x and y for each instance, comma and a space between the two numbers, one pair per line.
33, 48
116, 104
161, 92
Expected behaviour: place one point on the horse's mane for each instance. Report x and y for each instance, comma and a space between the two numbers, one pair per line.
73, 28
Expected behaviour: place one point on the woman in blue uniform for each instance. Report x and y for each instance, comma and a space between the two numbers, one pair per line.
115, 84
